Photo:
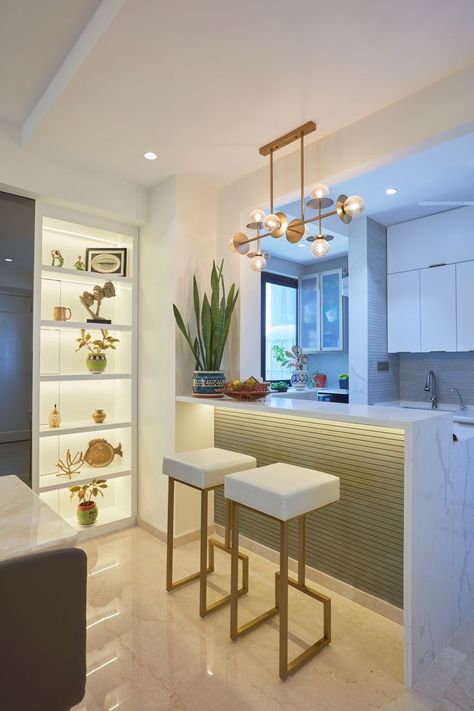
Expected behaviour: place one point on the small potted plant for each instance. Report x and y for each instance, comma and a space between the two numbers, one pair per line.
320, 379
295, 359
96, 360
344, 381
87, 510
280, 387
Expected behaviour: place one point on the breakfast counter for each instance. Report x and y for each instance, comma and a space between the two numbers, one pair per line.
28, 525
401, 537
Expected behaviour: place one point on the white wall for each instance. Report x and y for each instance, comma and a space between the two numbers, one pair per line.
177, 241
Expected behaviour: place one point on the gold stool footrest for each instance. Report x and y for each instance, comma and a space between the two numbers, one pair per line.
293, 664
213, 543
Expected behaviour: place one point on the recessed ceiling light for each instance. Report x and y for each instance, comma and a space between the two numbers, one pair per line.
301, 244
391, 191
7, 259
149, 155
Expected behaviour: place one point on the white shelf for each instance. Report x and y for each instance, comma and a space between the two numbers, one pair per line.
85, 376
66, 274
77, 325
56, 362
107, 516
83, 426
52, 482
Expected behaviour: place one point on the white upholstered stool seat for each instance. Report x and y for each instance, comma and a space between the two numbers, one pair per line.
206, 468
203, 469
283, 491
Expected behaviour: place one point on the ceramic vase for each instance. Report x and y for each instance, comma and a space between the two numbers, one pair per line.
96, 363
208, 383
99, 416
87, 513
299, 379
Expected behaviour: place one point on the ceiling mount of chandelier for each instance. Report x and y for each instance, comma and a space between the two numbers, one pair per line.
277, 224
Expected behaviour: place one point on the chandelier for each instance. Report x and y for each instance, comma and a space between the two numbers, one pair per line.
277, 224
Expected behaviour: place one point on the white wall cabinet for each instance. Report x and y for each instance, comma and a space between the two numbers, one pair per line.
320, 312
403, 297
465, 306
446, 237
438, 308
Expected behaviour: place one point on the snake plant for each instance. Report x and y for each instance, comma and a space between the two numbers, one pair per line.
212, 317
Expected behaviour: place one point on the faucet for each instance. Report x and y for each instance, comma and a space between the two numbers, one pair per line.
461, 403
430, 387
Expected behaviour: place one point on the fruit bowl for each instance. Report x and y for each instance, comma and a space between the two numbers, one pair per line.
248, 390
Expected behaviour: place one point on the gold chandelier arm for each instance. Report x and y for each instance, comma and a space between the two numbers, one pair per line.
271, 182
302, 177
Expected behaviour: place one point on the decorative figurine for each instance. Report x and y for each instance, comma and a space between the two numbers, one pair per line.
57, 258
72, 465
54, 419
100, 453
79, 265
99, 416
98, 294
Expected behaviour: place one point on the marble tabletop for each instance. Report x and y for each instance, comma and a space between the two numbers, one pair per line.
382, 416
27, 524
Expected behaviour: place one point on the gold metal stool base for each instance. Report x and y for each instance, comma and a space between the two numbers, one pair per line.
206, 555
282, 581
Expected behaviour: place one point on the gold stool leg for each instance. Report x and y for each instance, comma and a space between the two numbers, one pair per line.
234, 569
170, 536
170, 585
283, 599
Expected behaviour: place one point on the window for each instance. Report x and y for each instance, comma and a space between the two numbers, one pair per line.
279, 318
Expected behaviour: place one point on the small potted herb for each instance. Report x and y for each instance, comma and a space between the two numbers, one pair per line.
87, 510
96, 360
280, 387
344, 381
320, 379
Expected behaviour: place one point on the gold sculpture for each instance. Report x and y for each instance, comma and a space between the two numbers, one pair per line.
99, 293
72, 465
54, 419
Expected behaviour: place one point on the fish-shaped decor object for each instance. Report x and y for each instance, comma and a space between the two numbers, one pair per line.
100, 453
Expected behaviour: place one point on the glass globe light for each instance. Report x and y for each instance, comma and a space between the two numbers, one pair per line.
354, 205
271, 222
257, 215
320, 247
258, 262
319, 191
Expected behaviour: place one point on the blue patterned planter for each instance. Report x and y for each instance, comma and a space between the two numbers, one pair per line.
208, 383
344, 383
299, 379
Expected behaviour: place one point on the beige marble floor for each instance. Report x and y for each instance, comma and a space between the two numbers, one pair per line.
150, 651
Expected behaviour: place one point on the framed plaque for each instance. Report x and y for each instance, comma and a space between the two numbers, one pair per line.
107, 260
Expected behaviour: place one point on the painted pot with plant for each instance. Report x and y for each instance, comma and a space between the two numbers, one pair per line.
212, 316
87, 510
96, 361
295, 359
344, 381
320, 379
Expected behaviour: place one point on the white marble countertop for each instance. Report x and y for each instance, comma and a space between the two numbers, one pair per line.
27, 524
396, 417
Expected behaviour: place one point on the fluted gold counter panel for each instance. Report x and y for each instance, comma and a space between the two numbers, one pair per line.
359, 539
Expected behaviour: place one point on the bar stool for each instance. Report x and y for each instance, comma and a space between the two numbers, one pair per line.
203, 469
283, 492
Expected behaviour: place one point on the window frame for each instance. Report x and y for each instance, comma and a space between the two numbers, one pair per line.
279, 280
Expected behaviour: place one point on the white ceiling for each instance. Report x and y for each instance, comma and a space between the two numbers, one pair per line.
205, 83
35, 38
